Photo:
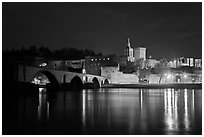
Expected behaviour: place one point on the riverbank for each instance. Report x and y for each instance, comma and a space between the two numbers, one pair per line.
169, 85
30, 87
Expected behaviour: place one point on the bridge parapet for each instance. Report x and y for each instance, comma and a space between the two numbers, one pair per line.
27, 74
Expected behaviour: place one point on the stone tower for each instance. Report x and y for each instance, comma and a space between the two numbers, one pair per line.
129, 52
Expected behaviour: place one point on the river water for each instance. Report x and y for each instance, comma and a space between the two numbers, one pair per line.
112, 111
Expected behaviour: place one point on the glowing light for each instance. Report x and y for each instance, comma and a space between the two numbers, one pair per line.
35, 81
185, 76
84, 78
42, 90
83, 71
43, 65
169, 76
40, 80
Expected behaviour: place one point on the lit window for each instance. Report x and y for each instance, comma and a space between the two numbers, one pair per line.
43, 65
99, 59
107, 58
104, 59
91, 59
95, 59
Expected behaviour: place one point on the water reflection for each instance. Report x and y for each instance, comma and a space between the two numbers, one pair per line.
139, 111
186, 117
179, 110
43, 107
119, 109
111, 111
171, 110
84, 107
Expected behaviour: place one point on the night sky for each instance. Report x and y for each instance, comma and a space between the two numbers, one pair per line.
167, 30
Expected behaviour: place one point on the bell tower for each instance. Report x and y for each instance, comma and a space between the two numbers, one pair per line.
129, 52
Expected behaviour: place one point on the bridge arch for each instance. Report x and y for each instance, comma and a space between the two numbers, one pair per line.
52, 79
96, 83
76, 83
106, 81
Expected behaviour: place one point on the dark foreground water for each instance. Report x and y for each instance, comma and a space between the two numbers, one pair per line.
104, 111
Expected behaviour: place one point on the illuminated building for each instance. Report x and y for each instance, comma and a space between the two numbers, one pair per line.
185, 61
198, 63
129, 52
152, 62
140, 53
93, 64
172, 64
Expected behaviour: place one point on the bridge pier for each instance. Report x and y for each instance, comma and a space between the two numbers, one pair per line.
90, 85
69, 86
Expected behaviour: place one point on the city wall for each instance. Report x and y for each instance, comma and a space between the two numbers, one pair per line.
117, 77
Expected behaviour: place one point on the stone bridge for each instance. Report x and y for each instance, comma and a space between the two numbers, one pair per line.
59, 77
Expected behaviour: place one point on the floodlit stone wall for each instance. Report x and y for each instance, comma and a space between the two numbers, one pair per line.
117, 77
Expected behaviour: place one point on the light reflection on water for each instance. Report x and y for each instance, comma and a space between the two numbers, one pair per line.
43, 106
139, 109
120, 111
171, 110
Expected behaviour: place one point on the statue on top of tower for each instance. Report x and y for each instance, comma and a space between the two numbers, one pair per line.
128, 43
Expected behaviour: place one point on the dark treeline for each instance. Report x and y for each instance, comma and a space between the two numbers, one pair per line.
64, 53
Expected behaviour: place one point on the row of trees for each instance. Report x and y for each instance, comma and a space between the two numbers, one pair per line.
64, 53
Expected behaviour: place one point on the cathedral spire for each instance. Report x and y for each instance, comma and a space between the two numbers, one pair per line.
128, 43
